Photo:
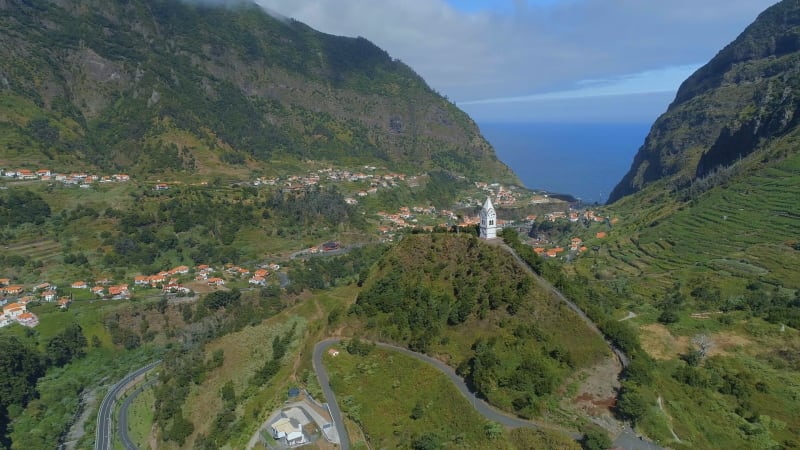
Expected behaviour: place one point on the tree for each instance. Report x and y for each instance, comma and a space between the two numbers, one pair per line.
493, 430
66, 346
418, 411
632, 404
428, 441
595, 438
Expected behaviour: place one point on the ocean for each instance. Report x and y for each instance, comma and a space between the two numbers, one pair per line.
585, 160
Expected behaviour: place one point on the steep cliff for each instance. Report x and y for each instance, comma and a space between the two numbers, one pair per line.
734, 106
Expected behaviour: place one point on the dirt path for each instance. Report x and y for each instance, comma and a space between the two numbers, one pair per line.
669, 419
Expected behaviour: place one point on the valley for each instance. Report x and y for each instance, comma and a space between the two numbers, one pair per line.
305, 236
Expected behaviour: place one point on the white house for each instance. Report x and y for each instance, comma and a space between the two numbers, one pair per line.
295, 438
284, 427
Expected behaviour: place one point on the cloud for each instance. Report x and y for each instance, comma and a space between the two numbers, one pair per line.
516, 48
646, 82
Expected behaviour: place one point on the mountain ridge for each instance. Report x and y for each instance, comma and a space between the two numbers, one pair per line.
107, 83
728, 109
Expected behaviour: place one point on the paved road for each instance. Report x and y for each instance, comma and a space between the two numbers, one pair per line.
628, 439
480, 405
122, 419
103, 434
325, 382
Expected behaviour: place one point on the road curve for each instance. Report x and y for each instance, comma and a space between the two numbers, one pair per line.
104, 433
122, 420
628, 439
482, 407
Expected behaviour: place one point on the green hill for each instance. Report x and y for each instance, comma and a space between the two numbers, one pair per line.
472, 306
705, 250
153, 86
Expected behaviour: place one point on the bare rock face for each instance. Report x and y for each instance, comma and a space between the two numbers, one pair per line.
748, 94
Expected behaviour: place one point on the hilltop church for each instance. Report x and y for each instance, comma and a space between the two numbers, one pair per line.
488, 220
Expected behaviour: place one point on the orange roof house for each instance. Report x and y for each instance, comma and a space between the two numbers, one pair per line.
63, 302
216, 282
80, 285
5, 281
601, 235
260, 281
28, 319
180, 269
13, 290
119, 291
13, 310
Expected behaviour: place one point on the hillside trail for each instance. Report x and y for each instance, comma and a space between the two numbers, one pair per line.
623, 359
669, 419
602, 383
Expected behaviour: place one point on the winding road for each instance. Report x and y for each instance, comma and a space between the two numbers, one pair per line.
122, 420
330, 397
626, 440
104, 415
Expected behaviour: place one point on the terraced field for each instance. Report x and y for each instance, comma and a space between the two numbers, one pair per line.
42, 250
742, 230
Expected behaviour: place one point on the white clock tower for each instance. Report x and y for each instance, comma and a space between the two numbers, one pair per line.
488, 220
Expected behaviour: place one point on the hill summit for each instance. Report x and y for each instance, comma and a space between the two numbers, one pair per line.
734, 106
154, 85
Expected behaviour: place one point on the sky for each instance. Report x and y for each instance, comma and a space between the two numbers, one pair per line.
542, 60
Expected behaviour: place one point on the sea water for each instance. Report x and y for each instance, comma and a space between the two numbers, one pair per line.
585, 160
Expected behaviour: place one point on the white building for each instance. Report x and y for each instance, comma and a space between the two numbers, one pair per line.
488, 220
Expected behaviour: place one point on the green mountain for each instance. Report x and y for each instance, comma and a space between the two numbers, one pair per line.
704, 250
732, 109
161, 85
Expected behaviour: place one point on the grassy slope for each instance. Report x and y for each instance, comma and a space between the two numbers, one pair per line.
383, 388
732, 237
437, 258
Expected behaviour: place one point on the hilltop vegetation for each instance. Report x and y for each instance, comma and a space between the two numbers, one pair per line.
471, 305
164, 86
416, 410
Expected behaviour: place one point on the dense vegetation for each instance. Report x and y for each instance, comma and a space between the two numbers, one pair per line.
453, 295
163, 86
220, 313
22, 364
19, 206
